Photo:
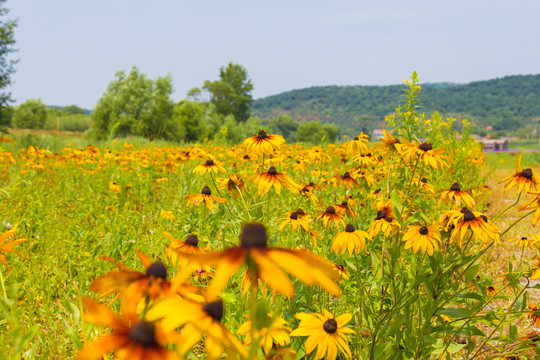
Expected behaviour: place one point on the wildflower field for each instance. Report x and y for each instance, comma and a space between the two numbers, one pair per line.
389, 249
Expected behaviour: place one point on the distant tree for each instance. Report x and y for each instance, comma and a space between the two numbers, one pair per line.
187, 117
231, 94
6, 116
314, 132
136, 105
31, 114
7, 43
284, 125
73, 109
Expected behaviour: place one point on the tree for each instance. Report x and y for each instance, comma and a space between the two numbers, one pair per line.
7, 42
135, 105
315, 133
187, 117
284, 125
231, 94
31, 114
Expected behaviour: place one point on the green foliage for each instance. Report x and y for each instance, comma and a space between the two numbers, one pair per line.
7, 43
135, 105
515, 99
284, 125
314, 132
231, 94
73, 109
187, 117
31, 114
6, 115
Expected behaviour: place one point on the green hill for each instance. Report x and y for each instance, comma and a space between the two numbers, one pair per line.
507, 103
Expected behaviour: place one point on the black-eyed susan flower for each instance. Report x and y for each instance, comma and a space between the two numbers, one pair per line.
8, 246
114, 187
269, 331
234, 184
301, 214
136, 285
295, 222
177, 248
207, 167
346, 180
425, 238
426, 153
459, 221
351, 240
357, 144
342, 272
534, 203
423, 183
457, 196
524, 179
526, 242
268, 264
205, 197
329, 216
384, 220
534, 315
388, 145
167, 215
307, 192
272, 177
345, 209
130, 339
264, 142
198, 320
326, 333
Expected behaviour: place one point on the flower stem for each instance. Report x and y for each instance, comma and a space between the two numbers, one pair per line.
2, 281
508, 208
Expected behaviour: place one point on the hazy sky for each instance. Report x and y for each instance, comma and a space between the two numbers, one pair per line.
69, 50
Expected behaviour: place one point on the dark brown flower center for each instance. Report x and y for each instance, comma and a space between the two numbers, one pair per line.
523, 238
346, 175
527, 173
377, 191
381, 214
253, 235
311, 183
349, 228
158, 270
468, 216
388, 219
294, 216
425, 146
214, 309
300, 212
210, 163
423, 230
345, 204
206, 191
330, 326
455, 187
330, 210
144, 333
262, 134
246, 157
356, 138
424, 180
484, 217
305, 190
192, 240
272, 171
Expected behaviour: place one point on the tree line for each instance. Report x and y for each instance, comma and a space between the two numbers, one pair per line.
135, 105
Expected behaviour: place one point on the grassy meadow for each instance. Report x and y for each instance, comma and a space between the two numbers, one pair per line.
384, 260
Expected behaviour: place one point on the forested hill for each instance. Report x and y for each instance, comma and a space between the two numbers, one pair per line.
506, 103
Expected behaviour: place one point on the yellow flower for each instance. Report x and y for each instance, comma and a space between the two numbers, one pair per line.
205, 197
330, 216
209, 166
198, 320
427, 154
325, 333
234, 184
425, 238
534, 203
527, 242
384, 220
177, 248
264, 142
8, 247
351, 240
167, 215
522, 179
343, 273
113, 187
295, 221
130, 339
388, 145
272, 177
268, 331
459, 221
267, 263
456, 195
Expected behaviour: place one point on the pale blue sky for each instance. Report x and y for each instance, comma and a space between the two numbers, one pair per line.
71, 49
